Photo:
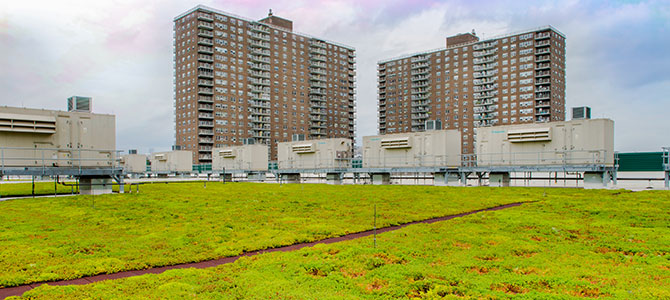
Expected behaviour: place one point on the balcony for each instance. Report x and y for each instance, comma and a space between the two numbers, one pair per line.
205, 116
420, 84
260, 59
256, 27
318, 58
420, 71
542, 66
206, 99
318, 71
542, 58
485, 60
539, 74
542, 44
258, 74
205, 91
320, 51
257, 51
206, 74
204, 41
485, 74
206, 82
317, 64
317, 78
206, 66
205, 157
542, 111
485, 67
542, 51
317, 91
318, 44
485, 46
261, 67
205, 107
205, 124
205, 33
259, 44
207, 58
543, 103
205, 140
542, 81
542, 96
205, 132
317, 84
420, 58
542, 89
203, 49
258, 36
485, 53
259, 104
205, 16
205, 25
542, 35
484, 81
420, 65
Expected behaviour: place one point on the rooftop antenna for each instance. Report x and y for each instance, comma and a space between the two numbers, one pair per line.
270, 13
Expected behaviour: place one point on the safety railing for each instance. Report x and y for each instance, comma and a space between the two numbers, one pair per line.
546, 158
38, 157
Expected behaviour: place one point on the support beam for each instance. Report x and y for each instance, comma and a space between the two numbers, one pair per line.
334, 178
290, 177
499, 179
381, 178
93, 185
596, 180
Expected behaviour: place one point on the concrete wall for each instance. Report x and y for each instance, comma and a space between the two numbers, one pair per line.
57, 138
246, 157
326, 153
172, 162
134, 163
413, 149
575, 142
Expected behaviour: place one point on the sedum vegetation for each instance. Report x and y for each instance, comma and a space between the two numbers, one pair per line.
571, 244
46, 239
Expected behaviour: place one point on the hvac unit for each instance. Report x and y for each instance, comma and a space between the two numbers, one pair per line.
78, 103
132, 151
433, 125
580, 113
396, 143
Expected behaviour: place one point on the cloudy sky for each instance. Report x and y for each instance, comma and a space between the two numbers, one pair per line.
120, 53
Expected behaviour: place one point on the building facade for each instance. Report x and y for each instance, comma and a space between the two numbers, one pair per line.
513, 79
240, 81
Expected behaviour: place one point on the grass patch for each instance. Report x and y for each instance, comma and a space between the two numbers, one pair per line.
69, 237
574, 244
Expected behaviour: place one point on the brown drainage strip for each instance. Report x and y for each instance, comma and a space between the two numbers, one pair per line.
19, 290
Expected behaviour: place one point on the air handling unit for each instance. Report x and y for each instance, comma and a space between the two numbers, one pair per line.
434, 148
49, 138
172, 162
582, 144
77, 143
330, 156
250, 159
134, 163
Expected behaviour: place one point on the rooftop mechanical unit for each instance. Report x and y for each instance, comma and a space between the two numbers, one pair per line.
79, 103
575, 142
179, 161
315, 154
50, 138
252, 157
441, 148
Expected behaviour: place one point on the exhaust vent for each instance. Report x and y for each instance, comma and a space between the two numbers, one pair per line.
396, 143
529, 135
227, 153
304, 148
160, 157
27, 123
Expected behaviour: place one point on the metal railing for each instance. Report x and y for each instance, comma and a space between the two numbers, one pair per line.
544, 158
25, 157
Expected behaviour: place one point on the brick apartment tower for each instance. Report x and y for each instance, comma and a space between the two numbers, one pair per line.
243, 81
513, 79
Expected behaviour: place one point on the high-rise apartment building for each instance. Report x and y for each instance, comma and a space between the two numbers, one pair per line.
511, 79
243, 81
